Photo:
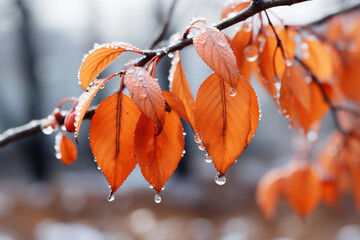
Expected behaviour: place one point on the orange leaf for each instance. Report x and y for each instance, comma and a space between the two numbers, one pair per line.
315, 52
84, 102
180, 86
214, 49
111, 138
65, 149
302, 188
232, 6
240, 44
254, 113
159, 155
99, 58
330, 192
176, 104
271, 60
222, 120
146, 93
268, 192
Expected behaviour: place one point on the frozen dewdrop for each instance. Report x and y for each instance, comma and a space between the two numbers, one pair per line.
111, 198
308, 79
47, 130
207, 158
151, 186
184, 133
163, 188
98, 167
157, 198
251, 53
232, 92
170, 55
220, 180
184, 152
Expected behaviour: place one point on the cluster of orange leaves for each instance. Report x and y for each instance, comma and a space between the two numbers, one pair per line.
144, 128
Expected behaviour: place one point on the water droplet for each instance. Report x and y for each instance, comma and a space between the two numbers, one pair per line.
197, 138
289, 63
201, 40
184, 133
170, 55
232, 92
201, 146
47, 130
163, 188
143, 94
157, 198
220, 180
207, 158
247, 27
151, 186
308, 79
111, 197
312, 136
251, 53
58, 155
98, 167
184, 152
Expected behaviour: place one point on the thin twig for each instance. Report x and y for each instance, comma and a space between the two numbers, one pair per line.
165, 24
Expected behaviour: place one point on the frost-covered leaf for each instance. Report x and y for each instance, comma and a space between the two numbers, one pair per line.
146, 93
99, 58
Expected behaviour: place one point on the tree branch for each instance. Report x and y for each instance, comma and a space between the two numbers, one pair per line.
255, 7
165, 24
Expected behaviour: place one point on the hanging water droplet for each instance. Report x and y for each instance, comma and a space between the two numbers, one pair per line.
111, 197
197, 138
220, 180
58, 155
98, 167
232, 92
163, 188
251, 53
170, 55
184, 152
157, 198
151, 186
312, 136
201, 146
207, 158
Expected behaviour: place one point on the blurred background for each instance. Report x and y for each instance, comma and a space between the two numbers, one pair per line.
42, 43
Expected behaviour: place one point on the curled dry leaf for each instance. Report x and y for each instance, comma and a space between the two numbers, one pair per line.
225, 121
213, 48
302, 187
146, 93
232, 7
269, 191
84, 102
180, 86
65, 149
99, 58
111, 138
159, 155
